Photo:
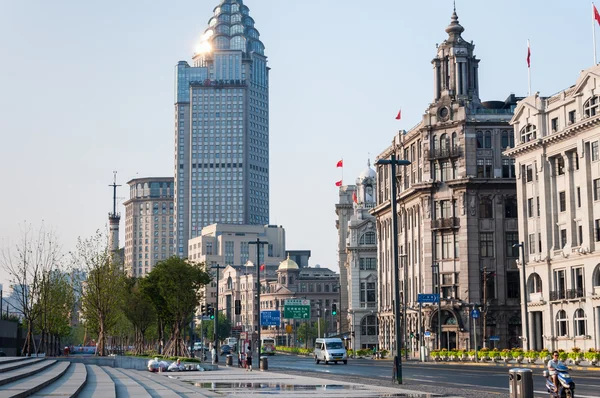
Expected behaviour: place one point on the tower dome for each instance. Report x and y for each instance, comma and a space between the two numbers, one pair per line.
231, 28
288, 264
367, 173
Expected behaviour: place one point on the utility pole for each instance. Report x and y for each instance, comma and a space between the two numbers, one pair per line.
216, 320
484, 306
258, 243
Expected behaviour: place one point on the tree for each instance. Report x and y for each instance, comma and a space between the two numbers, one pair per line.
208, 328
175, 287
140, 312
26, 264
102, 289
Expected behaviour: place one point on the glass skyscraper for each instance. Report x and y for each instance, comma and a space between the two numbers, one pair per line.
222, 127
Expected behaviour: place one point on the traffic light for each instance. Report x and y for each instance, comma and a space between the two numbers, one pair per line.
210, 311
238, 307
334, 309
353, 334
318, 313
203, 310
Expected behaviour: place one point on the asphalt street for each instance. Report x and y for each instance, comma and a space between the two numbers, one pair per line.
489, 380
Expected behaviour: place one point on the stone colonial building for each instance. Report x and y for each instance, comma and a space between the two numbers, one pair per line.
457, 214
558, 192
358, 259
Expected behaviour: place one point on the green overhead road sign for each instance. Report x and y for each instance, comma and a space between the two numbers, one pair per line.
296, 309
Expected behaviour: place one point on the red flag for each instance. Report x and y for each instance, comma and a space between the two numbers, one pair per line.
596, 14
528, 55
262, 267
399, 115
339, 183
354, 198
340, 163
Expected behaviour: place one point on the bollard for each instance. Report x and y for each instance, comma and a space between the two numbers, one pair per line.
520, 383
264, 363
229, 360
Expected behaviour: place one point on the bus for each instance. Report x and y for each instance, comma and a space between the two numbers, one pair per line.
267, 346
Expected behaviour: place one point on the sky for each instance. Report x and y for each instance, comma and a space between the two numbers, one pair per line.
86, 88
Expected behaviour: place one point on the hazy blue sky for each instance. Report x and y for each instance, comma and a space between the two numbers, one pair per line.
86, 87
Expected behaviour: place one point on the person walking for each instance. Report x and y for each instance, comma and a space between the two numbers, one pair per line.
248, 358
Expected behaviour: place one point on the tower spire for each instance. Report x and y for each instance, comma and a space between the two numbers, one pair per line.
113, 219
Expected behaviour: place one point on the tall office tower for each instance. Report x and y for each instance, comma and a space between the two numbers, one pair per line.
149, 224
222, 128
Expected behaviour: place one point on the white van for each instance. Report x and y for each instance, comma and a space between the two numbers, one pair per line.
330, 350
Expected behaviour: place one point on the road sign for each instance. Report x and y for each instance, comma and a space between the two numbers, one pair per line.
270, 318
288, 329
296, 309
494, 338
475, 313
243, 335
428, 298
427, 334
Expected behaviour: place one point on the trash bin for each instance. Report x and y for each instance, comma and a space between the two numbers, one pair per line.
520, 383
264, 363
229, 360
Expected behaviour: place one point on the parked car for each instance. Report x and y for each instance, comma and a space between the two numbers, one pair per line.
225, 349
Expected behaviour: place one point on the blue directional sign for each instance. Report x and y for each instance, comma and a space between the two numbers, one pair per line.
427, 334
475, 313
270, 318
428, 298
494, 338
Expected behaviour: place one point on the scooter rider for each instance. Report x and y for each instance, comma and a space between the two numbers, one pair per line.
552, 364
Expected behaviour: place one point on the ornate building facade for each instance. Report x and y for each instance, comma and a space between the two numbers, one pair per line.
457, 218
558, 189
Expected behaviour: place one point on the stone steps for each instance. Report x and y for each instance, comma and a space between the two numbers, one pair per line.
34, 381
69, 385
99, 384
24, 371
12, 365
125, 385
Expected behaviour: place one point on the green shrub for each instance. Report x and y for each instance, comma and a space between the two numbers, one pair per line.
544, 353
471, 353
435, 353
532, 354
384, 353
516, 353
592, 355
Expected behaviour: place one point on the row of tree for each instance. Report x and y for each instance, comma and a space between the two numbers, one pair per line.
51, 289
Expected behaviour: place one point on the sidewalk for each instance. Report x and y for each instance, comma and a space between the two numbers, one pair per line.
232, 382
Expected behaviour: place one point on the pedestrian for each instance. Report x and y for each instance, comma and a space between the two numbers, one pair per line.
214, 355
248, 358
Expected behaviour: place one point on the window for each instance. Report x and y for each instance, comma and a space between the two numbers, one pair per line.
560, 284
597, 189
529, 173
577, 280
512, 285
368, 326
530, 207
484, 139
595, 154
597, 230
531, 243
561, 324
485, 208
562, 201
534, 285
367, 292
447, 247
571, 117
563, 237
560, 165
510, 208
508, 168
368, 238
209, 251
367, 263
508, 139
537, 199
590, 108
512, 238
554, 123
579, 322
578, 197
486, 244
484, 168
528, 133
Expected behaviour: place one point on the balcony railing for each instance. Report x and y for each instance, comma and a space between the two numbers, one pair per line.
575, 293
558, 295
442, 223
442, 153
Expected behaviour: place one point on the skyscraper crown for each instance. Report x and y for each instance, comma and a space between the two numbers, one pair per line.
231, 28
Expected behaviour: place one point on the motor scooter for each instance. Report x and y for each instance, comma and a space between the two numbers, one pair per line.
566, 386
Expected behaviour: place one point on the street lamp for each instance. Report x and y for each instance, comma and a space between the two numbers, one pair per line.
393, 162
258, 242
524, 301
353, 332
405, 299
435, 274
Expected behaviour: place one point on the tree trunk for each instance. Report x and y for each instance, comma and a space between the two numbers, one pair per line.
100, 344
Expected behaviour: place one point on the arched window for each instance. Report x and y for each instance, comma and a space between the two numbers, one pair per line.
222, 28
444, 143
434, 143
237, 29
596, 276
238, 43
484, 139
368, 326
590, 108
367, 238
229, 283
236, 18
454, 140
562, 326
291, 278
534, 284
579, 322
528, 133
283, 279
485, 208
221, 43
510, 208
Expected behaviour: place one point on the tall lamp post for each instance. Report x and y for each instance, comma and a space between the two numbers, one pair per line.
258, 242
404, 301
216, 321
524, 301
393, 162
435, 274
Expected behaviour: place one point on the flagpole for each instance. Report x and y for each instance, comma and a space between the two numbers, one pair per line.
594, 31
528, 71
342, 170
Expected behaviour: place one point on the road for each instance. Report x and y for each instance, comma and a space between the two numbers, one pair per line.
489, 380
